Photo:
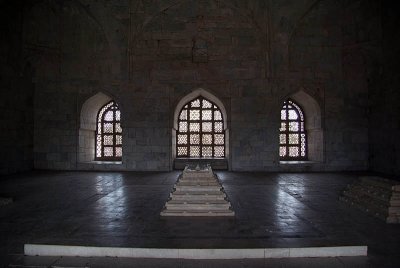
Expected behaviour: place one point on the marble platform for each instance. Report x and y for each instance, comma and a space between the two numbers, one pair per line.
377, 196
198, 193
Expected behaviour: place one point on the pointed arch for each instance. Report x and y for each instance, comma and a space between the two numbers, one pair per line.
216, 138
312, 124
197, 93
88, 125
109, 133
311, 108
90, 108
292, 132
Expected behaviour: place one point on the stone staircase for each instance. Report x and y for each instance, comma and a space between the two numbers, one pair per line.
377, 196
198, 193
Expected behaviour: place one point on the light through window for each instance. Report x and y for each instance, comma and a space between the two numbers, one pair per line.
200, 132
109, 133
292, 134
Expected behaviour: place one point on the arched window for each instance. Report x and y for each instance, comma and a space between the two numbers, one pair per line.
109, 133
200, 130
292, 133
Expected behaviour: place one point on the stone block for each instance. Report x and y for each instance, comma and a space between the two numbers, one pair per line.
377, 196
328, 251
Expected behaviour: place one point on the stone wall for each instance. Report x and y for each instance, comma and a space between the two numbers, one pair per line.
16, 94
251, 55
384, 97
360, 51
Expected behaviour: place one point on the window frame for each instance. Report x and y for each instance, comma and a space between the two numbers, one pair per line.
112, 106
301, 132
188, 107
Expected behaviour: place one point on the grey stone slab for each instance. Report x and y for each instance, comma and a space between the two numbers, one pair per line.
33, 261
121, 209
328, 251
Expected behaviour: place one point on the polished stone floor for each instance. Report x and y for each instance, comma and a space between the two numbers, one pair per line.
121, 209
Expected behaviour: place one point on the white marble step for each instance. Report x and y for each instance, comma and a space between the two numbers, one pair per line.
213, 193
197, 174
197, 197
192, 188
195, 202
198, 183
197, 207
199, 179
198, 213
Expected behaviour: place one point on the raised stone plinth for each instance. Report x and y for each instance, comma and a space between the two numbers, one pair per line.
198, 193
378, 196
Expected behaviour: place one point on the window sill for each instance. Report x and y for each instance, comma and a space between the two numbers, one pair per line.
104, 162
305, 163
201, 158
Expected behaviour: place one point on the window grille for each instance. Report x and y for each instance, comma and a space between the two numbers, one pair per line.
200, 132
292, 133
109, 133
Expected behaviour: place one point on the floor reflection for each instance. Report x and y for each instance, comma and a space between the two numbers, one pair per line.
122, 209
113, 206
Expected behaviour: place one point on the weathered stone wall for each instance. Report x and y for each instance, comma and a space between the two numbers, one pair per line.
251, 55
16, 94
384, 97
73, 60
361, 35
199, 44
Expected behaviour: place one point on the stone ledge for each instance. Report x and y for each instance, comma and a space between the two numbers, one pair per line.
305, 163
204, 253
102, 162
101, 166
